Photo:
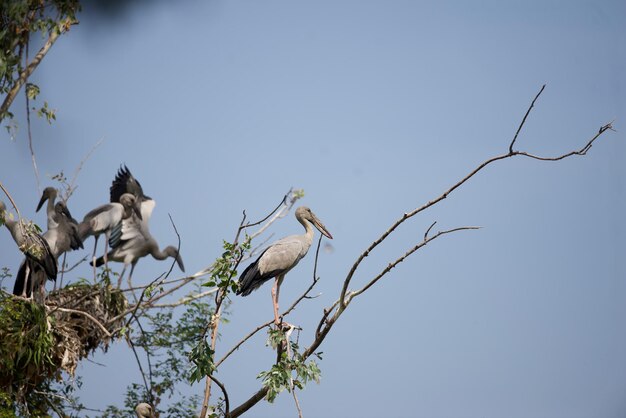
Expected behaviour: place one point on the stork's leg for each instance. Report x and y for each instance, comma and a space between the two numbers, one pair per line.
275, 292
106, 250
62, 273
130, 284
26, 284
93, 259
119, 280
130, 276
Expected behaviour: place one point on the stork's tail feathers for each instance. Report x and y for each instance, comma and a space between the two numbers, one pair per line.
20, 280
250, 280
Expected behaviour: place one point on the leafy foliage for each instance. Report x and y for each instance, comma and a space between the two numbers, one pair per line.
20, 20
292, 371
224, 271
166, 338
25, 352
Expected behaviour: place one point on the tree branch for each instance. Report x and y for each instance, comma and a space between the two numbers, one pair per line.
61, 28
332, 314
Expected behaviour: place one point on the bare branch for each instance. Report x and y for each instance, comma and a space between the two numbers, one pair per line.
407, 215
405, 255
183, 300
524, 119
8, 195
223, 388
71, 187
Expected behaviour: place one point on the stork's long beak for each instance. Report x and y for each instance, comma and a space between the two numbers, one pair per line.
43, 199
320, 227
179, 260
66, 212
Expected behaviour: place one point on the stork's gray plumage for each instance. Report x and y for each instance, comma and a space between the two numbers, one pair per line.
64, 235
144, 410
135, 240
125, 182
108, 219
135, 244
280, 257
34, 246
61, 236
49, 194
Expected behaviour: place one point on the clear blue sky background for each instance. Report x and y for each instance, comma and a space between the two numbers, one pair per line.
373, 108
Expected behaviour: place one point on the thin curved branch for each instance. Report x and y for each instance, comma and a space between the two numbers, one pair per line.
405, 255
223, 388
524, 119
407, 215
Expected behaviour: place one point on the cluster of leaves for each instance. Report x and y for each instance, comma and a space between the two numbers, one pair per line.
292, 371
224, 269
32, 91
223, 273
25, 360
19, 21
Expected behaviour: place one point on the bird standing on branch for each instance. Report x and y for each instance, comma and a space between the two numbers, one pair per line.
280, 257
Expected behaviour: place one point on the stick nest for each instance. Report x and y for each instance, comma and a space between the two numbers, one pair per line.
39, 342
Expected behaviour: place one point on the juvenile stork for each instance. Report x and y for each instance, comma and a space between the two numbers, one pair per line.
62, 234
280, 257
144, 410
108, 219
135, 240
35, 248
135, 244
125, 182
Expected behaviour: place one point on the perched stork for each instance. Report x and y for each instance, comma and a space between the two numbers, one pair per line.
144, 410
135, 240
61, 237
280, 257
64, 235
39, 256
108, 219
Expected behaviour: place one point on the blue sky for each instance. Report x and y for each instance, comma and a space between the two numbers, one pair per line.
373, 108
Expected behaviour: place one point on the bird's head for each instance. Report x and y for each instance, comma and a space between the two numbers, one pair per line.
144, 410
60, 208
130, 201
173, 252
307, 214
48, 193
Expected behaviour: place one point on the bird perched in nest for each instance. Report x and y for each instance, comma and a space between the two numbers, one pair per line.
39, 255
144, 410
